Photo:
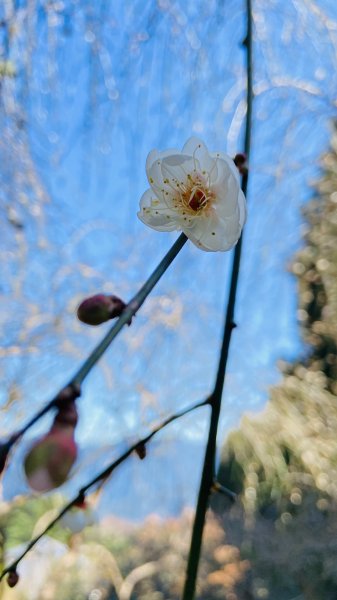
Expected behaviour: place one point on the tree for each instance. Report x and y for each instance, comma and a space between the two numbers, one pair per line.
284, 461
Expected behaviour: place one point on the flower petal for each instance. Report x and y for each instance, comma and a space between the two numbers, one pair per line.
169, 169
230, 163
155, 213
154, 172
177, 168
198, 150
213, 234
226, 191
155, 156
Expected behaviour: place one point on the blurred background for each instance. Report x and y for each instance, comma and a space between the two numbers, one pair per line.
87, 90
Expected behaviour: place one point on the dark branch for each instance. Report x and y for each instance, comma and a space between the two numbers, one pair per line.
74, 384
102, 477
208, 473
221, 489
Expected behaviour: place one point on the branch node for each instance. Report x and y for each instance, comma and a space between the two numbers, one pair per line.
67, 395
80, 501
210, 400
101, 478
14, 437
141, 450
221, 489
5, 448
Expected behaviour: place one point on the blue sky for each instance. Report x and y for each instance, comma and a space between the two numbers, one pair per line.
108, 82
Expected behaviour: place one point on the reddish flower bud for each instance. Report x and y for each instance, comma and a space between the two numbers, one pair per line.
141, 450
241, 163
48, 463
240, 159
12, 578
100, 308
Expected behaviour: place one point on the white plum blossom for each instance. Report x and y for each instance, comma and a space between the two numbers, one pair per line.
197, 192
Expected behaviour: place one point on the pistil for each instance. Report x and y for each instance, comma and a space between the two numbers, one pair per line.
197, 199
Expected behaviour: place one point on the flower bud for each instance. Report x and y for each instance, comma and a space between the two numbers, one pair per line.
100, 308
141, 450
49, 461
241, 163
12, 578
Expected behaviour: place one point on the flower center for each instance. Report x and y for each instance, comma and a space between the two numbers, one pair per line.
197, 199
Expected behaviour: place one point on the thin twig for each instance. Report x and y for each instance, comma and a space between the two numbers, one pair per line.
221, 489
130, 310
208, 472
102, 476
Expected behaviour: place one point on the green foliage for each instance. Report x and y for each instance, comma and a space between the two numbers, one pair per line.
25, 517
284, 461
115, 562
316, 269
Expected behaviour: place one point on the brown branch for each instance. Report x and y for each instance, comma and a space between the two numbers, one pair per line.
208, 472
73, 389
102, 477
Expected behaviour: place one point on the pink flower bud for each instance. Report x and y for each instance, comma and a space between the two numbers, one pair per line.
48, 463
100, 308
12, 578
